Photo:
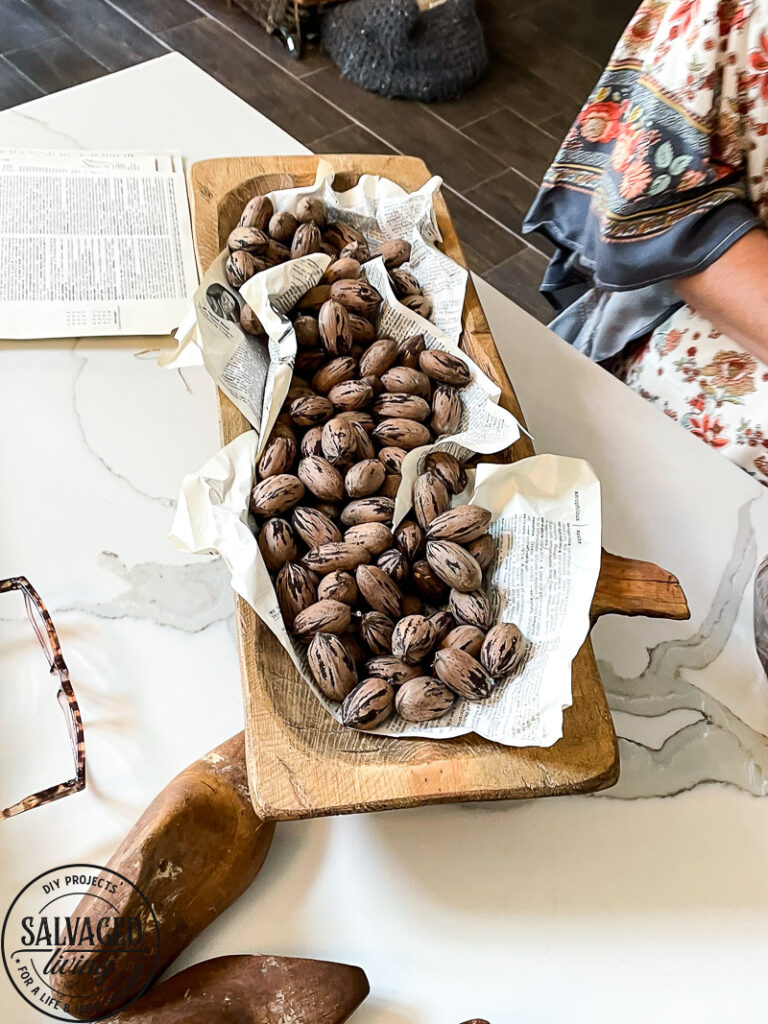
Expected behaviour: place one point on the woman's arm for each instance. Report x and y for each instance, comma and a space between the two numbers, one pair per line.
733, 292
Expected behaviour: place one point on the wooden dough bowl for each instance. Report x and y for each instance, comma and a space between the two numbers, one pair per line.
301, 763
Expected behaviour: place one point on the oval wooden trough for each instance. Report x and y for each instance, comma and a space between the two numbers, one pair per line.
301, 763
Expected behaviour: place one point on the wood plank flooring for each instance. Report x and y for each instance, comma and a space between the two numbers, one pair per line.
491, 146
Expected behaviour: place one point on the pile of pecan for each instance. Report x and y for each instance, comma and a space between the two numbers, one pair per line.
396, 620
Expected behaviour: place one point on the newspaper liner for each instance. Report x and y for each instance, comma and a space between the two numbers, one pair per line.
546, 523
212, 513
378, 207
256, 378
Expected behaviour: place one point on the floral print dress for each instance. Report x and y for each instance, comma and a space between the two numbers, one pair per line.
708, 384
664, 169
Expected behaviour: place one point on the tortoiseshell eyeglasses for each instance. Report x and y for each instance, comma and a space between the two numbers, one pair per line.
45, 631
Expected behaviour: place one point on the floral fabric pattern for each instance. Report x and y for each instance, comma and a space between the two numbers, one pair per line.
665, 167
713, 388
669, 115
663, 170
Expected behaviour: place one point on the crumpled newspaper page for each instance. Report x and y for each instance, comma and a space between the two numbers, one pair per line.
546, 522
485, 426
381, 209
547, 527
255, 376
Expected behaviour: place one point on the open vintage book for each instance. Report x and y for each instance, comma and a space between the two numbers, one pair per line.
93, 243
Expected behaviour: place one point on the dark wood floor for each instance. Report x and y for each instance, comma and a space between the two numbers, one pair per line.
491, 146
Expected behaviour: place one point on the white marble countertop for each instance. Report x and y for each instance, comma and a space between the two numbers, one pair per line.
591, 909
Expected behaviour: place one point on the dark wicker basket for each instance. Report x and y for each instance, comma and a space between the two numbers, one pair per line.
407, 48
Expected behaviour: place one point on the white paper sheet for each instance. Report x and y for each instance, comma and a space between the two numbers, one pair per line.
93, 244
254, 375
485, 426
381, 209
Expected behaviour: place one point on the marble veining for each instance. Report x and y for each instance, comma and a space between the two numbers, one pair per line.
185, 597
761, 613
714, 744
47, 128
163, 500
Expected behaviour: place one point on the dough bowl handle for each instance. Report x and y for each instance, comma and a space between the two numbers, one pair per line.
627, 586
